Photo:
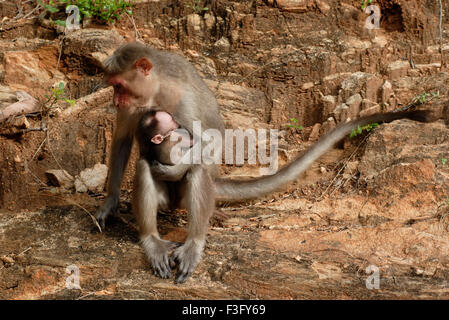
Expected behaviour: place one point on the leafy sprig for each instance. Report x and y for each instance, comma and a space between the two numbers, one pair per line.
365, 3
103, 10
57, 94
295, 124
196, 6
359, 130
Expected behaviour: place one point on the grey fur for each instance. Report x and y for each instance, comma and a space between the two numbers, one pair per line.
169, 172
196, 103
229, 190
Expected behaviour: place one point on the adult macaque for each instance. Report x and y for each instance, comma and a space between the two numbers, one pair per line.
142, 78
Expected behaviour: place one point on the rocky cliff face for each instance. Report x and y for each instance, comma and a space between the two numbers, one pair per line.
379, 200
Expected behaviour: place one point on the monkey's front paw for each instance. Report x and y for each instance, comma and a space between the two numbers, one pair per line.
108, 207
187, 258
158, 169
157, 252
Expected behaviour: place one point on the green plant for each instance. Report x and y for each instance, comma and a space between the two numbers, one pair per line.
295, 124
50, 6
102, 10
360, 129
436, 94
443, 161
196, 6
57, 94
365, 3
422, 98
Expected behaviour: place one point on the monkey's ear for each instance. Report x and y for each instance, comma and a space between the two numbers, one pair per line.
144, 65
157, 139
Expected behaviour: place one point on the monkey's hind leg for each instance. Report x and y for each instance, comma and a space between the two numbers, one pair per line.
147, 197
200, 203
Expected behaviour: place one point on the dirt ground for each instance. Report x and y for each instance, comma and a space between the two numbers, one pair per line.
377, 202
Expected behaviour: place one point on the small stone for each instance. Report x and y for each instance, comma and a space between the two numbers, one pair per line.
193, 24
307, 85
323, 6
297, 6
209, 21
398, 69
387, 91
192, 53
328, 125
314, 135
222, 43
353, 103
329, 104
351, 167
92, 179
21, 123
7, 259
371, 110
60, 178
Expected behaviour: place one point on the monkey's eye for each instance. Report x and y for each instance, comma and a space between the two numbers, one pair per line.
119, 88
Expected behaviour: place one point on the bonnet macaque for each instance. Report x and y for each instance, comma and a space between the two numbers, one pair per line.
143, 78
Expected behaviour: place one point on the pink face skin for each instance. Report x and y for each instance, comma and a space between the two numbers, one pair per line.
121, 94
166, 125
133, 88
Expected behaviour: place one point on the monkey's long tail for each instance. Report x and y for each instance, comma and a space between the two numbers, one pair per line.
235, 190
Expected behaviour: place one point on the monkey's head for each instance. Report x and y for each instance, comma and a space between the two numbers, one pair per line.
156, 126
131, 74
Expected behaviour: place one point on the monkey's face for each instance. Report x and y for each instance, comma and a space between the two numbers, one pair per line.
122, 95
135, 87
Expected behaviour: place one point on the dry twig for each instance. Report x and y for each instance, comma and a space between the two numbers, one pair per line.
87, 211
131, 18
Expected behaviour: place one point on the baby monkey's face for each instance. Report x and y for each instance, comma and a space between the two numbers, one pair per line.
158, 126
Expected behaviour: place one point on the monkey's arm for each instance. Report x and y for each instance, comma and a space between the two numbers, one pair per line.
120, 151
169, 172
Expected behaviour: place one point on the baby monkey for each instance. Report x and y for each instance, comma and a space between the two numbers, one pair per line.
163, 144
